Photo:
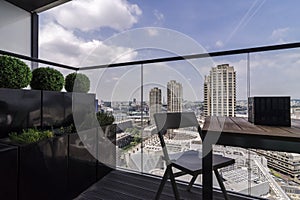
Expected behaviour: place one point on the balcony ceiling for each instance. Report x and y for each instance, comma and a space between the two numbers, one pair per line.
37, 5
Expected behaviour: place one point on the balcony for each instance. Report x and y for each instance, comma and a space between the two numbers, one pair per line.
143, 158
84, 172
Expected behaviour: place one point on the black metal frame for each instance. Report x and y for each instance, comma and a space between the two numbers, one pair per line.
34, 38
202, 55
159, 60
36, 6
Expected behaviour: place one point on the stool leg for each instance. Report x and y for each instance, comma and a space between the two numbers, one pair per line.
220, 181
162, 183
191, 183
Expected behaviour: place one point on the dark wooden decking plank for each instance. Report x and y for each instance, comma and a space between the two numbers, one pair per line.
120, 185
138, 183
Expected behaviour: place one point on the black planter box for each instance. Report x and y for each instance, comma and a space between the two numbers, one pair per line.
8, 172
43, 169
82, 171
273, 111
22, 109
61, 167
106, 150
19, 109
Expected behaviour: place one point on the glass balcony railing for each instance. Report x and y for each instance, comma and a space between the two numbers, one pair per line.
127, 90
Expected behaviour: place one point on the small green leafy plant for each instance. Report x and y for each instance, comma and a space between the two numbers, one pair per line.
30, 136
65, 130
76, 82
47, 79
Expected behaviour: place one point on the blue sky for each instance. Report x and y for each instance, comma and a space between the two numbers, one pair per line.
88, 32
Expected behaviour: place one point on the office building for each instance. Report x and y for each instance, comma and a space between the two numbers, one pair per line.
220, 91
174, 96
154, 102
286, 163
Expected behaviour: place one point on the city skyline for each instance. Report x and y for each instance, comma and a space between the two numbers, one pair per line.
92, 41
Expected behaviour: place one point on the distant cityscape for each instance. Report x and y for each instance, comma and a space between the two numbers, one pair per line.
273, 175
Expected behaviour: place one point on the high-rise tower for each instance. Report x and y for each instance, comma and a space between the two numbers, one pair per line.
220, 91
174, 96
155, 102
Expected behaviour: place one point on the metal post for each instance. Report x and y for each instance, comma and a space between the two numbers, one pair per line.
207, 192
34, 39
248, 95
142, 116
248, 75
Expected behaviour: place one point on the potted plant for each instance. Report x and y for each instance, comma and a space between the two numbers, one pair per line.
14, 116
48, 161
77, 82
46, 78
14, 73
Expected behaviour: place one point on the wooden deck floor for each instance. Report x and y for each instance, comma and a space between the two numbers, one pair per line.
120, 185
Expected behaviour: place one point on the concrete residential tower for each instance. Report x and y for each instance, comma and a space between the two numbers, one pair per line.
174, 96
154, 102
220, 91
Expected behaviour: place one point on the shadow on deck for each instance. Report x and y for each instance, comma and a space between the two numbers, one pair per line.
126, 185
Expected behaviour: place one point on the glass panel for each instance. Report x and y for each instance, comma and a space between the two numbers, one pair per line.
276, 74
118, 92
15, 30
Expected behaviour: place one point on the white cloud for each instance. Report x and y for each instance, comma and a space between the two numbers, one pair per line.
219, 44
152, 32
87, 15
63, 46
280, 34
159, 16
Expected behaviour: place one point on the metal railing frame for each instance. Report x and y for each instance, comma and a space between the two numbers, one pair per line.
159, 60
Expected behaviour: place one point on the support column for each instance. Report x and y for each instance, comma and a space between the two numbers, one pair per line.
34, 39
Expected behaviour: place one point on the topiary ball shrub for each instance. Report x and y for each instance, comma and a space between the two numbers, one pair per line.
14, 73
76, 82
47, 79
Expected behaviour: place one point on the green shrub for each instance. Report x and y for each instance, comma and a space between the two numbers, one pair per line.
65, 130
30, 136
76, 82
105, 119
14, 73
47, 79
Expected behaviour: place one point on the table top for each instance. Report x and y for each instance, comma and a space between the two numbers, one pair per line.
238, 125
